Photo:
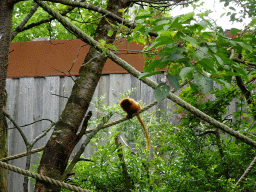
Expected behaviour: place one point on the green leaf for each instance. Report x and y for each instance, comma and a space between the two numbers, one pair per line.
175, 54
163, 40
205, 84
222, 82
148, 74
219, 59
161, 22
232, 8
214, 49
201, 52
143, 14
199, 55
253, 128
239, 70
184, 72
253, 22
184, 60
191, 40
137, 28
161, 92
193, 87
203, 24
173, 80
245, 46
155, 64
187, 16
208, 64
234, 31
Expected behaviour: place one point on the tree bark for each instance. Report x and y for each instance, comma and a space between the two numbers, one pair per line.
3, 149
6, 11
60, 145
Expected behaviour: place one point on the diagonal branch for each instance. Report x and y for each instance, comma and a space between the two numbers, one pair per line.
23, 23
247, 171
43, 21
18, 127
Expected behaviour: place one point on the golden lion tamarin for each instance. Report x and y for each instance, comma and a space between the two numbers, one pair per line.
130, 107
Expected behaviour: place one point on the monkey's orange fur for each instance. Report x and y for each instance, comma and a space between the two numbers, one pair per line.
130, 107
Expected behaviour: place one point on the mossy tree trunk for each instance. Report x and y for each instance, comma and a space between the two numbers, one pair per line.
60, 145
6, 10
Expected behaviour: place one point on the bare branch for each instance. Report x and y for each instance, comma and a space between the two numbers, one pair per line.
44, 20
23, 23
18, 127
43, 134
33, 122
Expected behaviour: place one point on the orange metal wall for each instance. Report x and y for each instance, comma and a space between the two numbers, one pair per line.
44, 58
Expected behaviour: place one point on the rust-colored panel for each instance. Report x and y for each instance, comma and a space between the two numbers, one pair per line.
44, 58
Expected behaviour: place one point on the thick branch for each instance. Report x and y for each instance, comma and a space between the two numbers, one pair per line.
12, 2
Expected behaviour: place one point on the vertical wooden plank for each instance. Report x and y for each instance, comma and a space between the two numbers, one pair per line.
135, 83
147, 93
66, 85
51, 87
24, 116
127, 84
46, 106
119, 83
37, 115
12, 88
38, 108
104, 84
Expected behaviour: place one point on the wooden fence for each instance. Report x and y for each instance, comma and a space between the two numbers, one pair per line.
34, 98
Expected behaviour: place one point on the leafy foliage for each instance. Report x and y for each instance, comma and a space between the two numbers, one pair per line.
82, 18
190, 155
246, 8
187, 156
202, 52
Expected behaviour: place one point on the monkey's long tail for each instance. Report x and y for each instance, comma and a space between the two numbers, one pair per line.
145, 131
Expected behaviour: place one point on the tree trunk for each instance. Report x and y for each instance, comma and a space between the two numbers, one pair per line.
5, 31
3, 149
60, 145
